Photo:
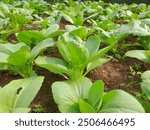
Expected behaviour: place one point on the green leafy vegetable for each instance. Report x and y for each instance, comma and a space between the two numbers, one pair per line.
145, 85
18, 94
34, 37
19, 57
83, 96
143, 55
78, 56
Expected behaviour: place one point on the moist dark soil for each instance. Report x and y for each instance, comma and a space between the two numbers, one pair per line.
62, 26
122, 74
6, 77
12, 38
115, 74
44, 98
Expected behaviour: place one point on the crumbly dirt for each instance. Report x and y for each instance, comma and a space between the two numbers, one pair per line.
120, 74
44, 97
6, 77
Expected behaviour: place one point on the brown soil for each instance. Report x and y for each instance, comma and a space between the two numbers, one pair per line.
6, 77
62, 26
118, 75
131, 39
12, 38
44, 97
118, 20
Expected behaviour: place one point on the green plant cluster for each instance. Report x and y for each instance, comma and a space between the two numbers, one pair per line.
84, 34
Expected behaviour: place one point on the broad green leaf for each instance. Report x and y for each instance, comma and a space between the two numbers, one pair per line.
145, 42
62, 47
4, 66
112, 39
79, 19
85, 107
71, 96
69, 38
20, 58
104, 33
74, 108
145, 85
145, 105
70, 28
92, 44
9, 48
118, 101
81, 86
97, 63
21, 110
72, 49
140, 29
100, 53
125, 28
40, 46
3, 61
139, 54
80, 32
96, 94
3, 58
18, 62
72, 3
91, 16
54, 65
78, 54
67, 94
30, 37
56, 33
3, 22
146, 75
51, 29
15, 95
33, 85
147, 52
77, 8
68, 18
113, 14
64, 95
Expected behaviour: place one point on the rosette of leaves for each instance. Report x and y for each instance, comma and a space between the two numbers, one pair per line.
79, 57
33, 37
83, 96
19, 57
